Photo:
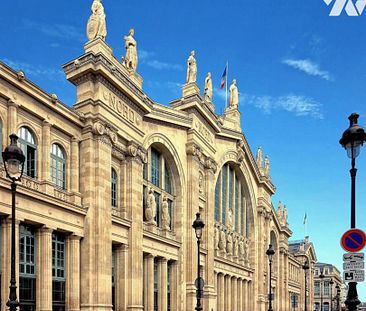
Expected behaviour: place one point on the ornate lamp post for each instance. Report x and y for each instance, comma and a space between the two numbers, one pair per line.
270, 252
331, 294
14, 165
305, 268
321, 276
352, 140
198, 226
338, 296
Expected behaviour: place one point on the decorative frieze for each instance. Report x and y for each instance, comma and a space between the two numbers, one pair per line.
105, 133
196, 151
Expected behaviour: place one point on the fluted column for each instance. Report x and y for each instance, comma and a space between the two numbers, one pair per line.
245, 296
173, 286
234, 294
120, 277
44, 269
228, 292
6, 259
162, 283
240, 295
222, 292
73, 273
44, 157
74, 165
149, 283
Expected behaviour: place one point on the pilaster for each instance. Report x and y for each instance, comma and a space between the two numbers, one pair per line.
44, 269
44, 156
74, 165
221, 292
149, 283
234, 294
162, 283
73, 273
121, 268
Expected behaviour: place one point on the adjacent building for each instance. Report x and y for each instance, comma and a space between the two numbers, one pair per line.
111, 187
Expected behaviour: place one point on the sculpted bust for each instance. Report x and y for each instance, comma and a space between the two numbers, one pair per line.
96, 27
191, 69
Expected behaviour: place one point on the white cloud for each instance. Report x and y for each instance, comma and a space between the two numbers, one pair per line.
61, 31
147, 58
299, 105
308, 67
33, 70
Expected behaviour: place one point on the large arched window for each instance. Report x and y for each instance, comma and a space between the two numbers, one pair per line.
28, 145
114, 181
231, 206
157, 177
58, 166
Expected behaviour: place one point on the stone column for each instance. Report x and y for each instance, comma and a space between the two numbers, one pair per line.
135, 209
234, 294
245, 296
149, 283
163, 284
240, 295
174, 286
73, 273
120, 277
96, 246
44, 269
228, 292
74, 165
44, 157
221, 292
209, 232
6, 260
12, 118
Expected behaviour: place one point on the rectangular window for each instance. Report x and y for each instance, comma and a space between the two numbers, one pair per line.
237, 205
217, 198
316, 288
170, 207
326, 288
224, 189
27, 269
31, 162
231, 189
168, 181
58, 271
155, 167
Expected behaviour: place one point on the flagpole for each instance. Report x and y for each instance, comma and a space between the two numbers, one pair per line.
227, 74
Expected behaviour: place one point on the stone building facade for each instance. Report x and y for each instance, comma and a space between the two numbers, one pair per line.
110, 191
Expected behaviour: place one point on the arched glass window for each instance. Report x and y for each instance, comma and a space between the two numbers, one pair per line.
230, 198
58, 166
27, 143
157, 176
114, 188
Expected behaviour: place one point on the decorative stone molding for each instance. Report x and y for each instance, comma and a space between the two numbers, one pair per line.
135, 150
196, 151
105, 131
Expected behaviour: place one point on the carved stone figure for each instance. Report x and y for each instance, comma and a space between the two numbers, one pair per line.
230, 219
266, 166
200, 182
246, 256
236, 246
280, 211
165, 217
191, 69
217, 237
234, 95
130, 60
96, 27
150, 210
241, 249
229, 245
208, 88
285, 214
259, 158
222, 243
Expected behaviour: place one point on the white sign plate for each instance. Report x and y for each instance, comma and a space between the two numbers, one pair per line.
353, 265
354, 275
349, 257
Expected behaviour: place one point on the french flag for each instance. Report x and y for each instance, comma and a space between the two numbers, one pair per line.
223, 78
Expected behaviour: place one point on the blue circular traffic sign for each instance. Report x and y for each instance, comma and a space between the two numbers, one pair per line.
353, 240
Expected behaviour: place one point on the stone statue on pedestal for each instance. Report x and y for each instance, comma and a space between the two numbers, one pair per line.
234, 95
266, 166
230, 219
285, 214
191, 69
150, 210
259, 158
208, 88
165, 217
130, 60
217, 237
236, 246
229, 246
96, 27
222, 243
241, 249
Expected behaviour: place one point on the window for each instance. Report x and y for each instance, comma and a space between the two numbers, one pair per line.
28, 145
230, 195
58, 272
158, 176
316, 288
326, 288
58, 166
326, 306
114, 188
27, 269
1, 141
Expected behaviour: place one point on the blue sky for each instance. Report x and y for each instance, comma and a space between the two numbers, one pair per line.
300, 73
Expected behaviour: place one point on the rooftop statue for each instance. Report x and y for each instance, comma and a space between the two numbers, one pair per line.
96, 27
266, 166
191, 69
208, 88
234, 95
130, 60
259, 158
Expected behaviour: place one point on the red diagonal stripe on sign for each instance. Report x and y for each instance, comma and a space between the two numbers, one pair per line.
354, 241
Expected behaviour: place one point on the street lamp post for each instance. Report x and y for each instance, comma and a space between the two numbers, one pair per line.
321, 276
331, 294
198, 225
306, 268
270, 252
14, 165
352, 140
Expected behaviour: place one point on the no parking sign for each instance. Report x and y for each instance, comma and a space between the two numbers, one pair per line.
353, 240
